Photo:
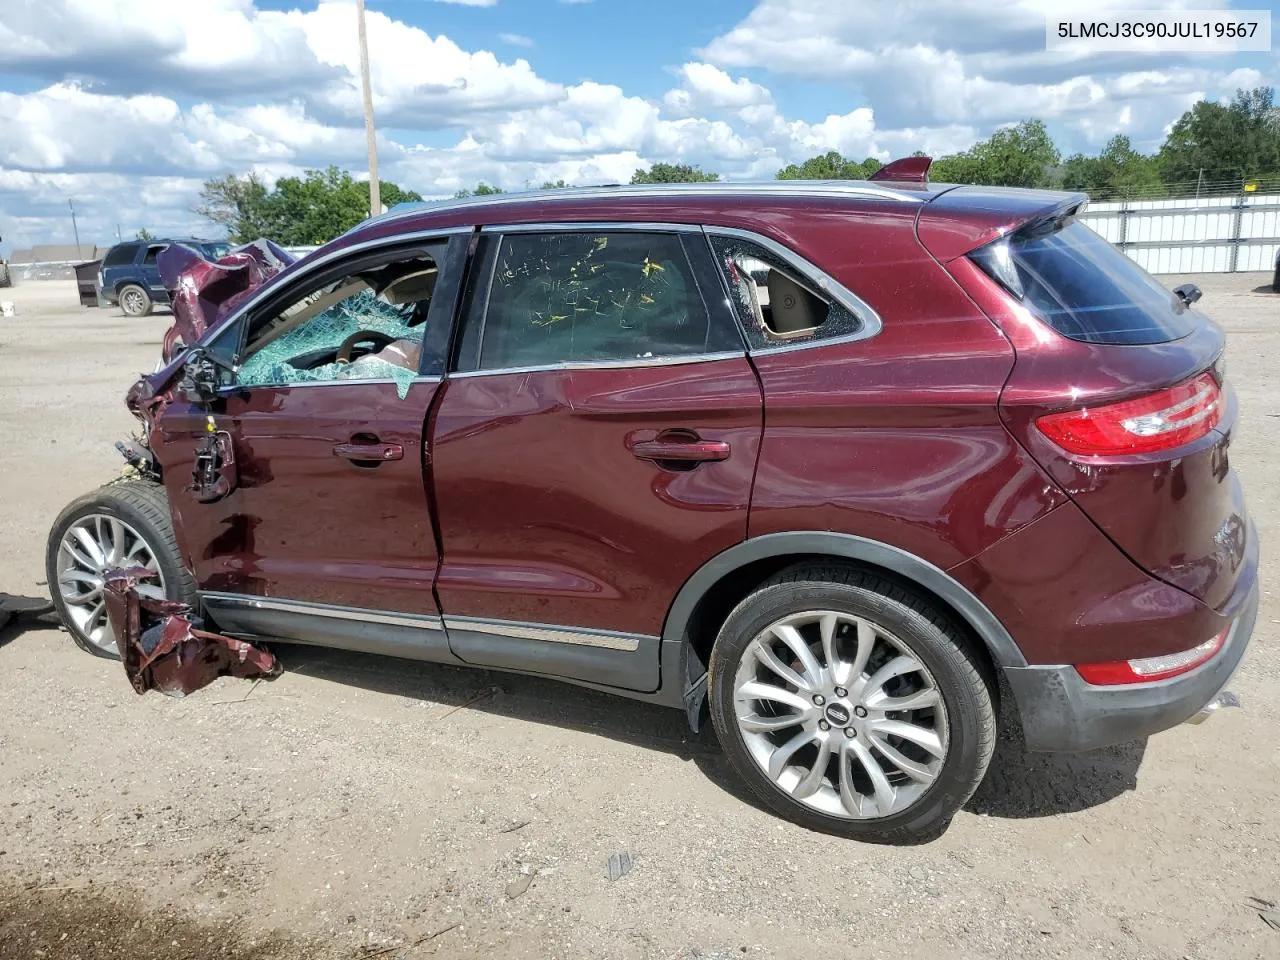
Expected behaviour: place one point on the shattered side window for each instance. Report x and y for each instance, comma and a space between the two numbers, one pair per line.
363, 327
582, 297
777, 304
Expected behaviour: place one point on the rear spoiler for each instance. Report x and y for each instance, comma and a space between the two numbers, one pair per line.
905, 170
963, 219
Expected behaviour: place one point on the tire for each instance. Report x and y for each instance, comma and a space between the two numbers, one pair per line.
135, 301
951, 723
117, 516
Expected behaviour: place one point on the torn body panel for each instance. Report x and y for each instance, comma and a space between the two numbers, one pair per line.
163, 649
203, 291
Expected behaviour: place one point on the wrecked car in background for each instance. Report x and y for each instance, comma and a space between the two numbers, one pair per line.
839, 463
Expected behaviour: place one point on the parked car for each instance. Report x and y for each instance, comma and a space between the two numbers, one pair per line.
129, 276
840, 464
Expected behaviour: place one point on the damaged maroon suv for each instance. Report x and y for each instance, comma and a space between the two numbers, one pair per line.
849, 466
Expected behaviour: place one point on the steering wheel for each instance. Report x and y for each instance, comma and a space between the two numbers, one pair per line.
376, 337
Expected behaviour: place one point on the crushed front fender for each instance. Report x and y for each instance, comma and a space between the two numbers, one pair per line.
161, 645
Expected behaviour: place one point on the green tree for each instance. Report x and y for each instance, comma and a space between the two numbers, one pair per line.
554, 185
1224, 143
674, 173
1019, 156
240, 204
298, 211
830, 166
145, 235
1119, 171
482, 190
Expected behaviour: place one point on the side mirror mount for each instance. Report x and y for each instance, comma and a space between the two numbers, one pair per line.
202, 377
1188, 293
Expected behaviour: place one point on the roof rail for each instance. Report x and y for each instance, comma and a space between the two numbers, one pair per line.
774, 188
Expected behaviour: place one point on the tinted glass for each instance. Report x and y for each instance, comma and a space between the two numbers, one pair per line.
776, 303
1084, 287
120, 255
215, 251
581, 297
153, 252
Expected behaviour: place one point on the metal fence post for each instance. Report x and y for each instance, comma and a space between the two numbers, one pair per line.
1237, 227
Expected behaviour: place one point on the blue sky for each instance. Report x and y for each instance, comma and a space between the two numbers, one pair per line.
127, 106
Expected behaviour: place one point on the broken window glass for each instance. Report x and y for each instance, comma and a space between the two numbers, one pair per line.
581, 297
366, 327
776, 303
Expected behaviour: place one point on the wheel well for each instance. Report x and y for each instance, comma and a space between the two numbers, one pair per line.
734, 587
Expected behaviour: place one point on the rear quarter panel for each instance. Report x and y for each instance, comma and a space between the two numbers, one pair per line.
896, 438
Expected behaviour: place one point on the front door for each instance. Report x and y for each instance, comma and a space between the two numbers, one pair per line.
328, 521
594, 447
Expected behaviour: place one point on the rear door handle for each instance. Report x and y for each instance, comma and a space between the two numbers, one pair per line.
369, 452
681, 449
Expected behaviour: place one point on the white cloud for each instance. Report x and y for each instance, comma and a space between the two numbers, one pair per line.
516, 39
705, 88
136, 102
471, 3
963, 61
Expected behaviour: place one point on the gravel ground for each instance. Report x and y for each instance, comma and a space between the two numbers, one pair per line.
360, 804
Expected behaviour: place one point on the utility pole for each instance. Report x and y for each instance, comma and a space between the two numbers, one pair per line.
375, 191
75, 229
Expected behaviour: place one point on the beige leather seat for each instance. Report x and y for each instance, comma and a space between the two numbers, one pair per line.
794, 309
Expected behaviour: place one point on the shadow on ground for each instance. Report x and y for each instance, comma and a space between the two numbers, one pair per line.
60, 924
1265, 288
1018, 785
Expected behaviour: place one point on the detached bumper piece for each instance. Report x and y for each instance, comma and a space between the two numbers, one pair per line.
161, 645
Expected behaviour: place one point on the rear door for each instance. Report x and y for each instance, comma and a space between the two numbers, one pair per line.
594, 446
151, 273
327, 529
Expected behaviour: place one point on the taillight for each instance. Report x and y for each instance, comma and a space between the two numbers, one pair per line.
1151, 668
1158, 421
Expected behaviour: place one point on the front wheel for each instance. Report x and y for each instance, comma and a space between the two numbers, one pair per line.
135, 301
850, 705
124, 524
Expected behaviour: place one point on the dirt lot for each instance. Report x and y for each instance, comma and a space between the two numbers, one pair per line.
361, 804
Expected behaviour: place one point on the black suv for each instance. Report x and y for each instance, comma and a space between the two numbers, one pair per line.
129, 276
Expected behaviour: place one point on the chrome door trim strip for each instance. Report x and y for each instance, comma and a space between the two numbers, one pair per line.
577, 636
306, 608
624, 364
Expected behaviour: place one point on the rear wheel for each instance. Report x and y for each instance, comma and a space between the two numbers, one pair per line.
134, 301
124, 524
850, 705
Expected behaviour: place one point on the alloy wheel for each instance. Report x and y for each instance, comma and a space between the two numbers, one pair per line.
131, 302
840, 715
92, 546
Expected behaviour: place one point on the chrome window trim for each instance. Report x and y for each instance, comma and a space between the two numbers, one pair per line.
316, 261
244, 601
637, 363
575, 636
827, 189
602, 226
227, 391
829, 285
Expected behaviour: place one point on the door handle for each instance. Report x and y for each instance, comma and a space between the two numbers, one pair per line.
369, 452
681, 448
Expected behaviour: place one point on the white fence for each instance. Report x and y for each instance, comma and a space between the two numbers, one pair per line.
1204, 235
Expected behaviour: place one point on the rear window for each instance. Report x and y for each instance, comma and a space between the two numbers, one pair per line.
120, 255
1084, 287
